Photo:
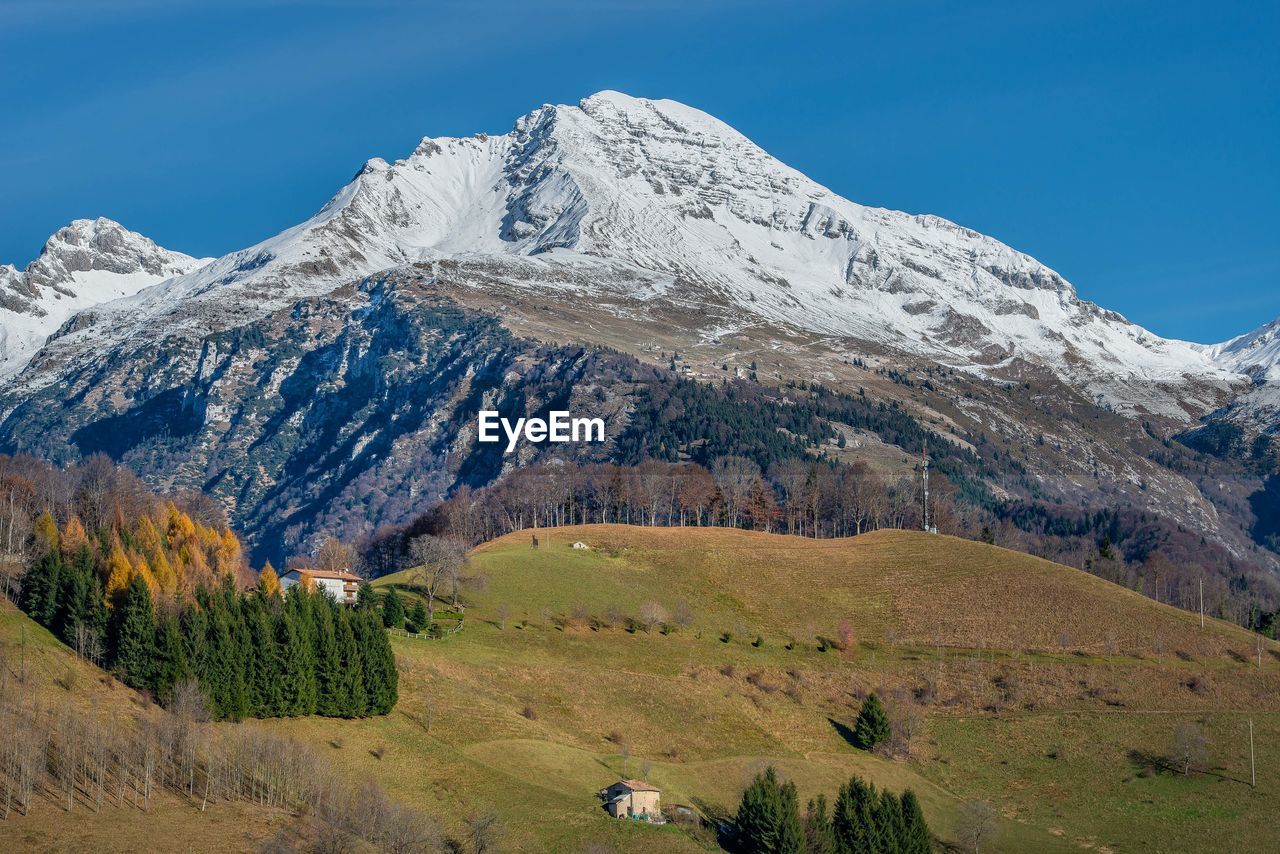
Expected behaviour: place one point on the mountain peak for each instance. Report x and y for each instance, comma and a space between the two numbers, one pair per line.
82, 264
671, 199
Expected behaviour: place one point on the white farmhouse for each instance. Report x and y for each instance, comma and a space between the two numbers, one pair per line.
341, 585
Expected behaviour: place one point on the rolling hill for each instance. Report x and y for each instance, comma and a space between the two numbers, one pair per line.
1043, 689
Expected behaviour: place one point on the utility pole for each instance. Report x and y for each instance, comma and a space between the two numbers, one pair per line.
1202, 603
924, 457
1253, 768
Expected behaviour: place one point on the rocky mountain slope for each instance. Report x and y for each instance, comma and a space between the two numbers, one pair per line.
87, 263
647, 227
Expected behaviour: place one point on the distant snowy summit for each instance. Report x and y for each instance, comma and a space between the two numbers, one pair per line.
87, 263
681, 206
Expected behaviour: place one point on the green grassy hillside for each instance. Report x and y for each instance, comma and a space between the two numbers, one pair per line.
1042, 689
1048, 691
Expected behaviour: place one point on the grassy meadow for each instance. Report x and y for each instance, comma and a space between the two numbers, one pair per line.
1048, 692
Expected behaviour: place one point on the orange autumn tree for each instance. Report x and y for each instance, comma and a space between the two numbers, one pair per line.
73, 537
269, 582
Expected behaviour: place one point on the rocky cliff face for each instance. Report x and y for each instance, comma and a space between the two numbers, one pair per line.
341, 412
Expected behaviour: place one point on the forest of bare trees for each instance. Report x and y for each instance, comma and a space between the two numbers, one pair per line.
58, 755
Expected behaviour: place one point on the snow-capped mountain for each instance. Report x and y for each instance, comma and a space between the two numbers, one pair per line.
1256, 353
87, 263
325, 378
698, 213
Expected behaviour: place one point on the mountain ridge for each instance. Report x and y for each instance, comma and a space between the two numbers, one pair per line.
656, 186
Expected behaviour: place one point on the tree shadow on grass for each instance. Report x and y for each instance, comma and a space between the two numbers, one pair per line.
719, 821
844, 732
1154, 764
1149, 764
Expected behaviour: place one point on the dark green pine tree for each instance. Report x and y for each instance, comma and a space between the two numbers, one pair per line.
265, 680
327, 664
768, 820
307, 608
378, 663
366, 597
193, 624
872, 726
171, 658
226, 668
854, 819
418, 615
80, 603
392, 610
352, 700
915, 832
133, 636
297, 674
819, 835
889, 824
41, 587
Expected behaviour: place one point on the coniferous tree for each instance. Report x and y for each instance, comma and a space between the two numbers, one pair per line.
819, 835
872, 726
915, 833
83, 613
297, 679
392, 610
266, 681
193, 623
888, 821
133, 635
171, 658
366, 596
378, 664
269, 582
41, 587
328, 665
854, 820
228, 693
351, 694
768, 820
418, 615
308, 605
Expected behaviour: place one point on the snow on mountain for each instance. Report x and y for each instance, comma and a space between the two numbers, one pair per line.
696, 212
85, 264
1256, 353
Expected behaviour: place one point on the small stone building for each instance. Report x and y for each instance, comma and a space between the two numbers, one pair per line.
632, 799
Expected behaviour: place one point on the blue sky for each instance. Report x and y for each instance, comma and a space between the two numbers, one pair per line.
1132, 146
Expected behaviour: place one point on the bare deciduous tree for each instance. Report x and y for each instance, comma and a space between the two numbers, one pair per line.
976, 825
1190, 747
439, 561
482, 832
652, 614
